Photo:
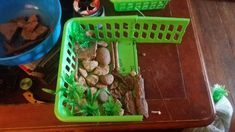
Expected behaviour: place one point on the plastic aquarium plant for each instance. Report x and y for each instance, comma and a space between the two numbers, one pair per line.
74, 92
112, 107
91, 106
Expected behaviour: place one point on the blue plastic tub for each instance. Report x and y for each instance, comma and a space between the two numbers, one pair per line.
49, 11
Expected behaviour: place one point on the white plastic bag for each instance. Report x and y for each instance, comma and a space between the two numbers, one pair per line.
224, 112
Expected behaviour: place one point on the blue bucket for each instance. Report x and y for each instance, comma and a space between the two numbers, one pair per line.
49, 12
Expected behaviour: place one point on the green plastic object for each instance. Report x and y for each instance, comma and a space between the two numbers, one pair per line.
127, 30
134, 5
219, 91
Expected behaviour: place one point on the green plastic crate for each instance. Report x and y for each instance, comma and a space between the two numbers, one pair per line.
127, 30
134, 5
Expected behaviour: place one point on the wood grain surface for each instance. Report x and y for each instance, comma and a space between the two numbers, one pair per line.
176, 82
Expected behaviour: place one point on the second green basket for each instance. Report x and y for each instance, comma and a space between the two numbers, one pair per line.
134, 5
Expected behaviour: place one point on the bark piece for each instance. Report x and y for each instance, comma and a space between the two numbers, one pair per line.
117, 66
140, 101
129, 104
112, 56
8, 30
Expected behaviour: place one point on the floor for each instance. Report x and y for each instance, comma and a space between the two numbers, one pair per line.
215, 23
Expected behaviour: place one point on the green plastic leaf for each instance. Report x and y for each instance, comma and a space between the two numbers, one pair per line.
218, 92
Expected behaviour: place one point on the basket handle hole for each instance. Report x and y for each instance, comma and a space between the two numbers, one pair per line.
152, 35
70, 45
69, 52
168, 36
137, 26
109, 34
117, 34
108, 26
117, 26
67, 68
171, 27
160, 35
176, 37
144, 35
67, 59
70, 38
154, 27
91, 27
101, 35
64, 103
179, 28
83, 27
125, 25
136, 34
162, 27
125, 34
146, 26
66, 85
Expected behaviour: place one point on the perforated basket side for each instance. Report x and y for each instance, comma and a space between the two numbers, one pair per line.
107, 28
160, 29
134, 5
66, 67
134, 28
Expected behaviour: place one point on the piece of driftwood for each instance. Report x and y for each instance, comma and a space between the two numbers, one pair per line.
16, 50
115, 47
129, 104
112, 56
140, 101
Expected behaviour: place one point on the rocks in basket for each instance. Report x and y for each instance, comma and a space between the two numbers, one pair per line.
94, 65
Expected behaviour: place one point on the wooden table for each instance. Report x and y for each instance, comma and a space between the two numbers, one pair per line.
176, 84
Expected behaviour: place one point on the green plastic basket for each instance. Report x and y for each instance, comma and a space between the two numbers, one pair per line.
134, 5
127, 30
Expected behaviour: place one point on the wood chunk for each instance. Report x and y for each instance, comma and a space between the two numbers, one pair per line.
129, 104
28, 31
24, 46
8, 30
140, 101
33, 18
41, 30
115, 47
21, 21
114, 85
112, 54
